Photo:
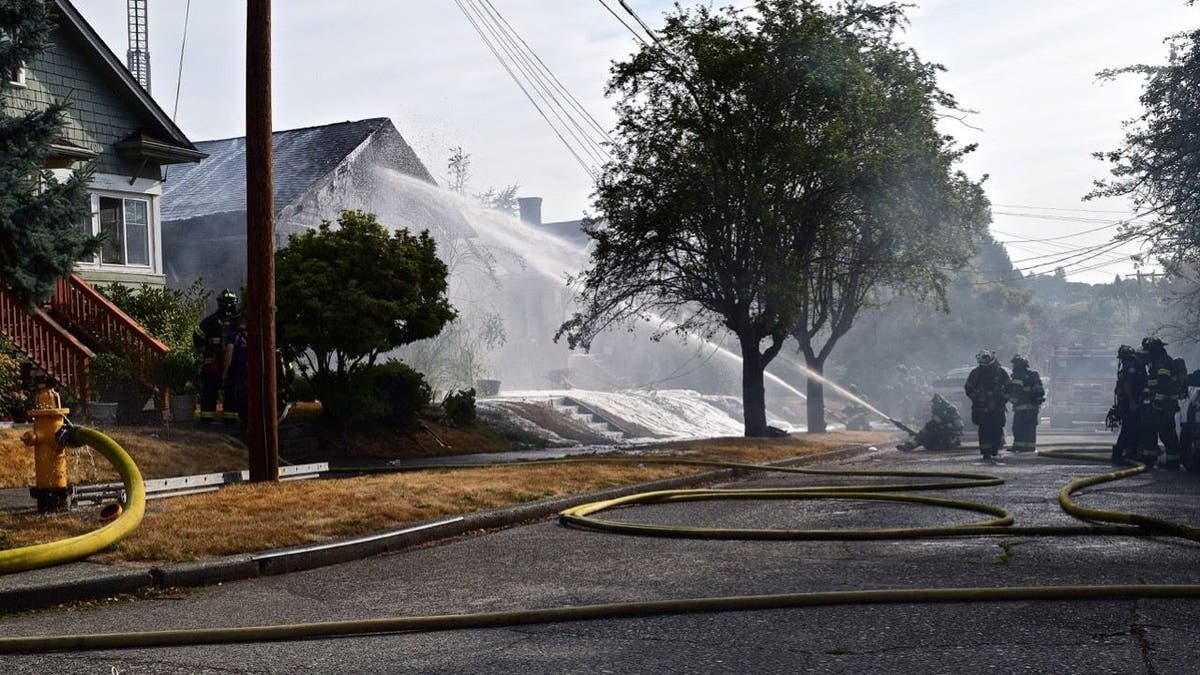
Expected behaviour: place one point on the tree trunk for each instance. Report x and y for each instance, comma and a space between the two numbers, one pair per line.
815, 405
754, 394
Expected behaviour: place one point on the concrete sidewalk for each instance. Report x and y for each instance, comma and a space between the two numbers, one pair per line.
81, 581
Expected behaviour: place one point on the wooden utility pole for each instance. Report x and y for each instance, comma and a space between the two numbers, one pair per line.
262, 428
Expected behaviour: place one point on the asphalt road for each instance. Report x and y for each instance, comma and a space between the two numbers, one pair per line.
546, 565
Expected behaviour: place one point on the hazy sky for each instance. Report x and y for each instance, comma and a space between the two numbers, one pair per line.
1027, 66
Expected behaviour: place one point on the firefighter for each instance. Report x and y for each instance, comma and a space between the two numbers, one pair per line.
986, 387
1026, 393
1161, 393
1128, 404
943, 431
234, 373
1189, 429
209, 341
858, 416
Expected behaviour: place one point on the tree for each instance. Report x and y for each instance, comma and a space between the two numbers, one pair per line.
458, 169
346, 295
905, 217
1158, 167
738, 144
40, 216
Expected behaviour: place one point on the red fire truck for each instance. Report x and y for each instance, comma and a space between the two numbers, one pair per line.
1079, 387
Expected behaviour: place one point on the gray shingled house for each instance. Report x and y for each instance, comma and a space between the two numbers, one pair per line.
204, 205
503, 272
115, 124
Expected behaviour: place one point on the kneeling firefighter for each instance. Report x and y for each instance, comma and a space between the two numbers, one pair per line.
1027, 395
943, 431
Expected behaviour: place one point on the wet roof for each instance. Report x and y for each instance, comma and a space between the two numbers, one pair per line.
301, 157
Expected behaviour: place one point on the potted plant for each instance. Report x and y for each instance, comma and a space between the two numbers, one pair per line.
177, 373
111, 378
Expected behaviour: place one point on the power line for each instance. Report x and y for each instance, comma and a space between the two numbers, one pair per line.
1053, 208
483, 35
1069, 219
187, 12
618, 17
511, 43
571, 97
1063, 236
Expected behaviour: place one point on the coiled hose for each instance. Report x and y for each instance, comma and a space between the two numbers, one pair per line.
75, 548
581, 516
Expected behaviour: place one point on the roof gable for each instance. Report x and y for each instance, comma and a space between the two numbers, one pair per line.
301, 158
158, 122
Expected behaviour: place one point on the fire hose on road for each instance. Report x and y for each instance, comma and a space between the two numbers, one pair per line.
999, 523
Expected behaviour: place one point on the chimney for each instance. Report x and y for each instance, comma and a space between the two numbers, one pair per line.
531, 210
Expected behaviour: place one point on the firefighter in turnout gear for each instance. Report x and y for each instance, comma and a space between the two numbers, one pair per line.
943, 431
209, 341
1128, 404
1027, 395
858, 416
1162, 394
987, 387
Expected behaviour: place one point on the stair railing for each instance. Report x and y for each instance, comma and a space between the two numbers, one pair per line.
46, 344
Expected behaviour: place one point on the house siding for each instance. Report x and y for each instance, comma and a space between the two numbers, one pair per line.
96, 117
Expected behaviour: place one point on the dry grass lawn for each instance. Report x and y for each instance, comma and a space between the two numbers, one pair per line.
245, 518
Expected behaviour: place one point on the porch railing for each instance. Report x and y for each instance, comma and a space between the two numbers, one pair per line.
46, 344
85, 309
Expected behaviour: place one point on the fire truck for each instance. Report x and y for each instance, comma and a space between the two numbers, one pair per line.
1079, 388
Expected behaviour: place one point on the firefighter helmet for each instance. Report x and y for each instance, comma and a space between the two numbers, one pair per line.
985, 357
227, 299
1019, 361
1126, 353
1153, 344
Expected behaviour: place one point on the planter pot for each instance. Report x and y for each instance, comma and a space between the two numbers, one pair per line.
183, 407
102, 412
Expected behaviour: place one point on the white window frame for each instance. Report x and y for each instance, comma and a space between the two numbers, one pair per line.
94, 223
17, 79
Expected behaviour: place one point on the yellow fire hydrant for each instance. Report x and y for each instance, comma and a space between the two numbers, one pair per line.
50, 459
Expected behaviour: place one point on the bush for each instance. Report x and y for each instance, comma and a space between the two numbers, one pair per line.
178, 371
403, 391
112, 377
459, 407
389, 394
168, 314
12, 396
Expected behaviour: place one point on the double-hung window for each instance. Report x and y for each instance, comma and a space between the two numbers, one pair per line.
16, 75
125, 224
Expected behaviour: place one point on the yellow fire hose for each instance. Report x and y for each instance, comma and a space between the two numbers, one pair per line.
74, 548
999, 524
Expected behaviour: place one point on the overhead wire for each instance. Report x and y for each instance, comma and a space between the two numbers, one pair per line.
591, 172
575, 103
187, 12
511, 44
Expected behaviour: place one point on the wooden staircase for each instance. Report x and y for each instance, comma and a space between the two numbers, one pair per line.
62, 337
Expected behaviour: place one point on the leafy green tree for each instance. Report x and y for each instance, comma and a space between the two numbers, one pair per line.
745, 145
905, 217
1158, 167
349, 294
40, 237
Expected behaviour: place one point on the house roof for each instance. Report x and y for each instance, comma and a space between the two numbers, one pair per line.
165, 128
300, 157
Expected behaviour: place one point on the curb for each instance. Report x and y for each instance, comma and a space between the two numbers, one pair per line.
114, 581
